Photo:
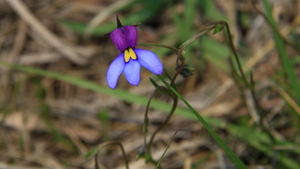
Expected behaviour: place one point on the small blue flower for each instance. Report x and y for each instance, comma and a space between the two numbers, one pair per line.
130, 59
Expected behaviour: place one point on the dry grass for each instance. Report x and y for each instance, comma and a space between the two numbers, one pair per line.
47, 123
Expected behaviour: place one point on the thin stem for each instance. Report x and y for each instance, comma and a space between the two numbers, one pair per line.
250, 85
175, 98
178, 71
182, 48
175, 102
260, 111
192, 39
159, 45
146, 122
122, 149
236, 55
146, 119
158, 164
236, 79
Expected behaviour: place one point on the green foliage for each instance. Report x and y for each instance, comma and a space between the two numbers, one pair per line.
212, 51
286, 62
259, 141
91, 152
149, 9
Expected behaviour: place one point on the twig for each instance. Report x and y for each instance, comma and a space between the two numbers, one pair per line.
44, 33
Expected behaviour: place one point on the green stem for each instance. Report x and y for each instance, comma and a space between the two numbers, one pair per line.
250, 85
122, 149
162, 156
260, 111
159, 45
192, 39
236, 55
175, 102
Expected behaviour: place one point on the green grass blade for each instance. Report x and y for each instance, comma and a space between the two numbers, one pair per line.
235, 160
252, 135
211, 11
119, 93
286, 62
149, 10
262, 143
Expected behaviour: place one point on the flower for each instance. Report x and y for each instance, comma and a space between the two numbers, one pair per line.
130, 59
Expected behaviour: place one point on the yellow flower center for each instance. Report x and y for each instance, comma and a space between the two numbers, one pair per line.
129, 53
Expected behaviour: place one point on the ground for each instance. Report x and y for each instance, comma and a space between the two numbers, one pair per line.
53, 120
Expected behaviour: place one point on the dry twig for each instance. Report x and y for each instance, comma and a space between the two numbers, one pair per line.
44, 33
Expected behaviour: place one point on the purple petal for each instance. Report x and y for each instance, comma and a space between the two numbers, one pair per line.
132, 72
149, 60
118, 37
131, 35
114, 71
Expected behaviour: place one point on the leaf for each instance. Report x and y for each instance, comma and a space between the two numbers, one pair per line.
91, 152
218, 28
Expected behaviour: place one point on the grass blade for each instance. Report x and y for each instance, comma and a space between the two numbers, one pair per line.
235, 160
260, 138
285, 61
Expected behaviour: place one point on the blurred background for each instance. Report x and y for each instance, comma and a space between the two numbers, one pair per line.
52, 121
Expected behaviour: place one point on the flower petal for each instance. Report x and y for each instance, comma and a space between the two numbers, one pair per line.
132, 72
131, 35
118, 37
114, 71
149, 60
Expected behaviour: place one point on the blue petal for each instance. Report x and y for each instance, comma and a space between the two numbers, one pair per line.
132, 72
149, 60
114, 71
